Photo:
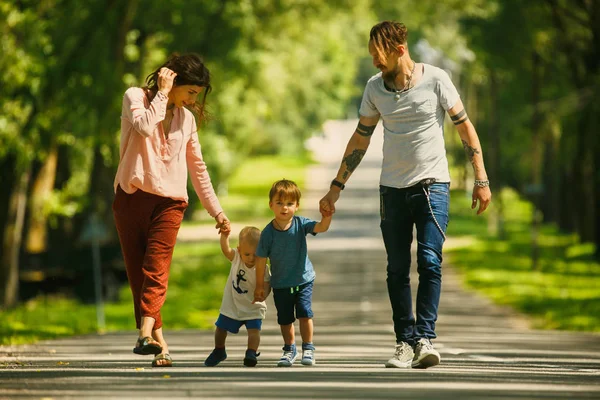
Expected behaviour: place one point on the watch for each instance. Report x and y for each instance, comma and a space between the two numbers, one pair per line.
338, 184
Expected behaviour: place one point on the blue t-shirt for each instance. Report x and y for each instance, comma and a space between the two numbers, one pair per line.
288, 253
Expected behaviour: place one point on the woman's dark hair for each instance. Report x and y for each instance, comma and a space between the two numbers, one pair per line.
190, 70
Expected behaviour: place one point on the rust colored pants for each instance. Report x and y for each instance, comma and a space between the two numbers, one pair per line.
147, 225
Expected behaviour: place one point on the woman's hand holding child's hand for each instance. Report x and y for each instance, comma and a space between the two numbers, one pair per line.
223, 224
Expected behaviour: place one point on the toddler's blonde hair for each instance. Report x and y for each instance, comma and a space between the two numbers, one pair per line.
250, 235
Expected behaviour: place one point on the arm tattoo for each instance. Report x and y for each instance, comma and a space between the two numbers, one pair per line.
364, 130
471, 151
460, 117
352, 161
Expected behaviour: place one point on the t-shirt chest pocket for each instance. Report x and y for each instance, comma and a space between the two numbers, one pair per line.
423, 107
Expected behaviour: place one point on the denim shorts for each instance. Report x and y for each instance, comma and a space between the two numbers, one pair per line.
298, 298
233, 325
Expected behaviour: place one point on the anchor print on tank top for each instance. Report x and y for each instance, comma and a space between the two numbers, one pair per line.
239, 277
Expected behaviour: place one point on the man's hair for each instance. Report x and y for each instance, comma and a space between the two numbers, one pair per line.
250, 235
285, 189
386, 36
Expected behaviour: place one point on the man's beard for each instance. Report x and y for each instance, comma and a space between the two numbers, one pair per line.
389, 77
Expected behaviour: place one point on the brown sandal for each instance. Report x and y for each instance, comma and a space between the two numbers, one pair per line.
147, 345
160, 357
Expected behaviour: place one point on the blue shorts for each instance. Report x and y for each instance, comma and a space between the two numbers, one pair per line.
233, 325
288, 299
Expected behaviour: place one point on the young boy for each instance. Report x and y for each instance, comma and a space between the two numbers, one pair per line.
237, 306
283, 241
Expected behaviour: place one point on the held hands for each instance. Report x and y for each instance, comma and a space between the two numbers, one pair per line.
259, 295
166, 77
223, 224
484, 196
327, 203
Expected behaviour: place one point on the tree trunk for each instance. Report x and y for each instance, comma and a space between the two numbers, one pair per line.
36, 240
11, 245
550, 203
585, 214
535, 189
496, 222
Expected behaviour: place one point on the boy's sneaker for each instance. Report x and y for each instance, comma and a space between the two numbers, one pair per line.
402, 358
288, 357
308, 357
215, 357
425, 355
250, 359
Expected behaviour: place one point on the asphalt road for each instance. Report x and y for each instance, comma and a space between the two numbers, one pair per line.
487, 352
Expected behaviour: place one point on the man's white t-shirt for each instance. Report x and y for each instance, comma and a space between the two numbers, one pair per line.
239, 292
413, 125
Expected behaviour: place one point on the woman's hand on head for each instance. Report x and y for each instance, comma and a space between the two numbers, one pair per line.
166, 77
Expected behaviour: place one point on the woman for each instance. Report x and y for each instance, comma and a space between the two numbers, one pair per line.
159, 145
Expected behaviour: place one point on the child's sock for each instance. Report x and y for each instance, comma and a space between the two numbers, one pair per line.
289, 347
308, 346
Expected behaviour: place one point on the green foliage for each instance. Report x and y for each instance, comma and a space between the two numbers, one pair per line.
245, 196
298, 67
279, 70
562, 294
198, 274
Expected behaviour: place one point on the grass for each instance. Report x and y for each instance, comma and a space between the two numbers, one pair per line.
198, 274
246, 196
198, 271
563, 292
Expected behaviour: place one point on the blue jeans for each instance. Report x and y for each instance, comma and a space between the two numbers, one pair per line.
400, 210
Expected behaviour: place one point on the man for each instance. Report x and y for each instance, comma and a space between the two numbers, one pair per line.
412, 99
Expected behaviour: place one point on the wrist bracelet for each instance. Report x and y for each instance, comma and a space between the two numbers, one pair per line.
338, 184
481, 183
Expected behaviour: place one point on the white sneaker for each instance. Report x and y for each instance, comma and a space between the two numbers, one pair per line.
402, 357
425, 355
308, 357
287, 358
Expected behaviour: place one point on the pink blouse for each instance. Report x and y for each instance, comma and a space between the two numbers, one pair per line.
152, 162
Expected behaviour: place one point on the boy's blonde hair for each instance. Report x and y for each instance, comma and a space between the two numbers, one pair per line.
285, 189
250, 235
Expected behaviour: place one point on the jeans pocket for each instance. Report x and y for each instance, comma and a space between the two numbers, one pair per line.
439, 201
441, 188
382, 192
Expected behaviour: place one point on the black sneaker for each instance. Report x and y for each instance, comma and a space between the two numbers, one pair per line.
215, 357
250, 360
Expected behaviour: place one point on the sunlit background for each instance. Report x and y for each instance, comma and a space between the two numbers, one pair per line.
528, 72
